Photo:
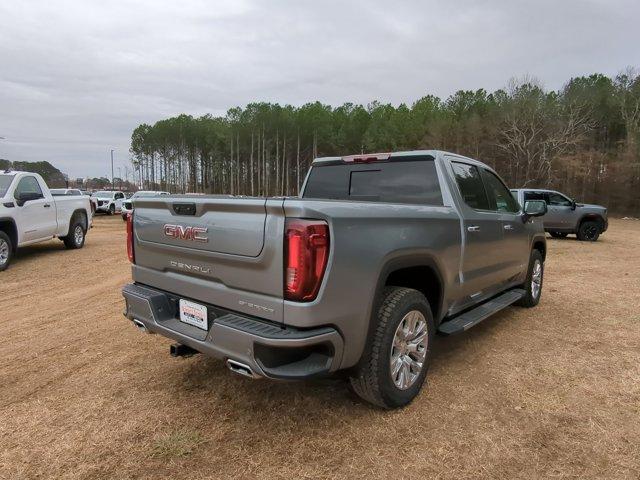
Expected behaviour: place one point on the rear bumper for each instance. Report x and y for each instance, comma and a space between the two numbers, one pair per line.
269, 350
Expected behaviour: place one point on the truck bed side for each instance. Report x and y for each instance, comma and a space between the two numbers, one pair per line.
368, 241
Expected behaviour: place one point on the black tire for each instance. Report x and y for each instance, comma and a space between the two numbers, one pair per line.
6, 251
531, 299
589, 231
559, 234
372, 379
112, 210
77, 234
124, 217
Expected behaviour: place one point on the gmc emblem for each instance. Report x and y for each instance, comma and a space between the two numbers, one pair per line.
193, 234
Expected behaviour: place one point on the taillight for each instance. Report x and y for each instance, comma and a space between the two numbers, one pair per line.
130, 252
306, 250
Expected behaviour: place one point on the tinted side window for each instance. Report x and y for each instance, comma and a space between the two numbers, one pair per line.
470, 185
558, 200
500, 198
28, 185
536, 196
413, 182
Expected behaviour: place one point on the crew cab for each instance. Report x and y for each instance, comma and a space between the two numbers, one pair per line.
109, 202
378, 254
30, 214
565, 216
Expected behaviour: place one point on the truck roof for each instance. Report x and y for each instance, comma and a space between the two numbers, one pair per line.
408, 153
533, 190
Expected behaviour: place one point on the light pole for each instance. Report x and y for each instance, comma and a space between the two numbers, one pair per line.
112, 168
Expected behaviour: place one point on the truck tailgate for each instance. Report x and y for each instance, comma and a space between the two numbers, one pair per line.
223, 251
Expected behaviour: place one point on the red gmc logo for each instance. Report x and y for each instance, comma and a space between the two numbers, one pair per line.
193, 234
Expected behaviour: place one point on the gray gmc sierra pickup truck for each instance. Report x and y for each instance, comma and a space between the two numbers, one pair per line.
377, 254
565, 216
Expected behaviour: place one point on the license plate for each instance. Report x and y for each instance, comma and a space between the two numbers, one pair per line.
193, 314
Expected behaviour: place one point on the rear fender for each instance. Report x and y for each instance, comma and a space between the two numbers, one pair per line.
408, 261
398, 263
78, 213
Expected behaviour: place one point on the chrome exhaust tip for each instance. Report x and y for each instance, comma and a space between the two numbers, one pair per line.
240, 369
140, 326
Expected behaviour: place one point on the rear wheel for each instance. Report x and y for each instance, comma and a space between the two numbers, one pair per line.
394, 365
75, 238
559, 234
589, 231
6, 251
533, 284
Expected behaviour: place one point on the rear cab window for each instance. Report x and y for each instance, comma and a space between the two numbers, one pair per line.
5, 183
536, 195
410, 180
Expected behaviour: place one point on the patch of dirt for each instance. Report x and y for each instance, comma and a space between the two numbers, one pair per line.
552, 391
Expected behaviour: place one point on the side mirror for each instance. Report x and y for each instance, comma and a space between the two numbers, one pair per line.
534, 208
25, 197
573, 204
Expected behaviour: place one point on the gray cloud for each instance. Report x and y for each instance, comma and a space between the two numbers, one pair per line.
76, 77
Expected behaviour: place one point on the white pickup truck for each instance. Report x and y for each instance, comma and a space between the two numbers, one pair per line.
30, 214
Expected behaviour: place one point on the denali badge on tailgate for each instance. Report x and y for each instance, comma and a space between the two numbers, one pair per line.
179, 232
189, 267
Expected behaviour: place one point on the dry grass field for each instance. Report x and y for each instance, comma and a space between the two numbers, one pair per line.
550, 392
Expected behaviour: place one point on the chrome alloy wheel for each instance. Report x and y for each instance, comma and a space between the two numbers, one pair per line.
409, 349
536, 279
4, 251
78, 235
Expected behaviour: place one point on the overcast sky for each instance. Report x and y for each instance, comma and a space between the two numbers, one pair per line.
76, 77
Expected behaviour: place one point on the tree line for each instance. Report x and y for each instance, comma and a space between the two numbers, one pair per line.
582, 139
54, 177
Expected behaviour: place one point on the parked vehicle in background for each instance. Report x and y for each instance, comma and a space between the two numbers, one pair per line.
109, 202
94, 201
29, 213
565, 216
127, 205
59, 192
358, 274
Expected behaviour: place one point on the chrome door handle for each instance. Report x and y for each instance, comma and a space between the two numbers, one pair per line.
46, 205
508, 227
473, 228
